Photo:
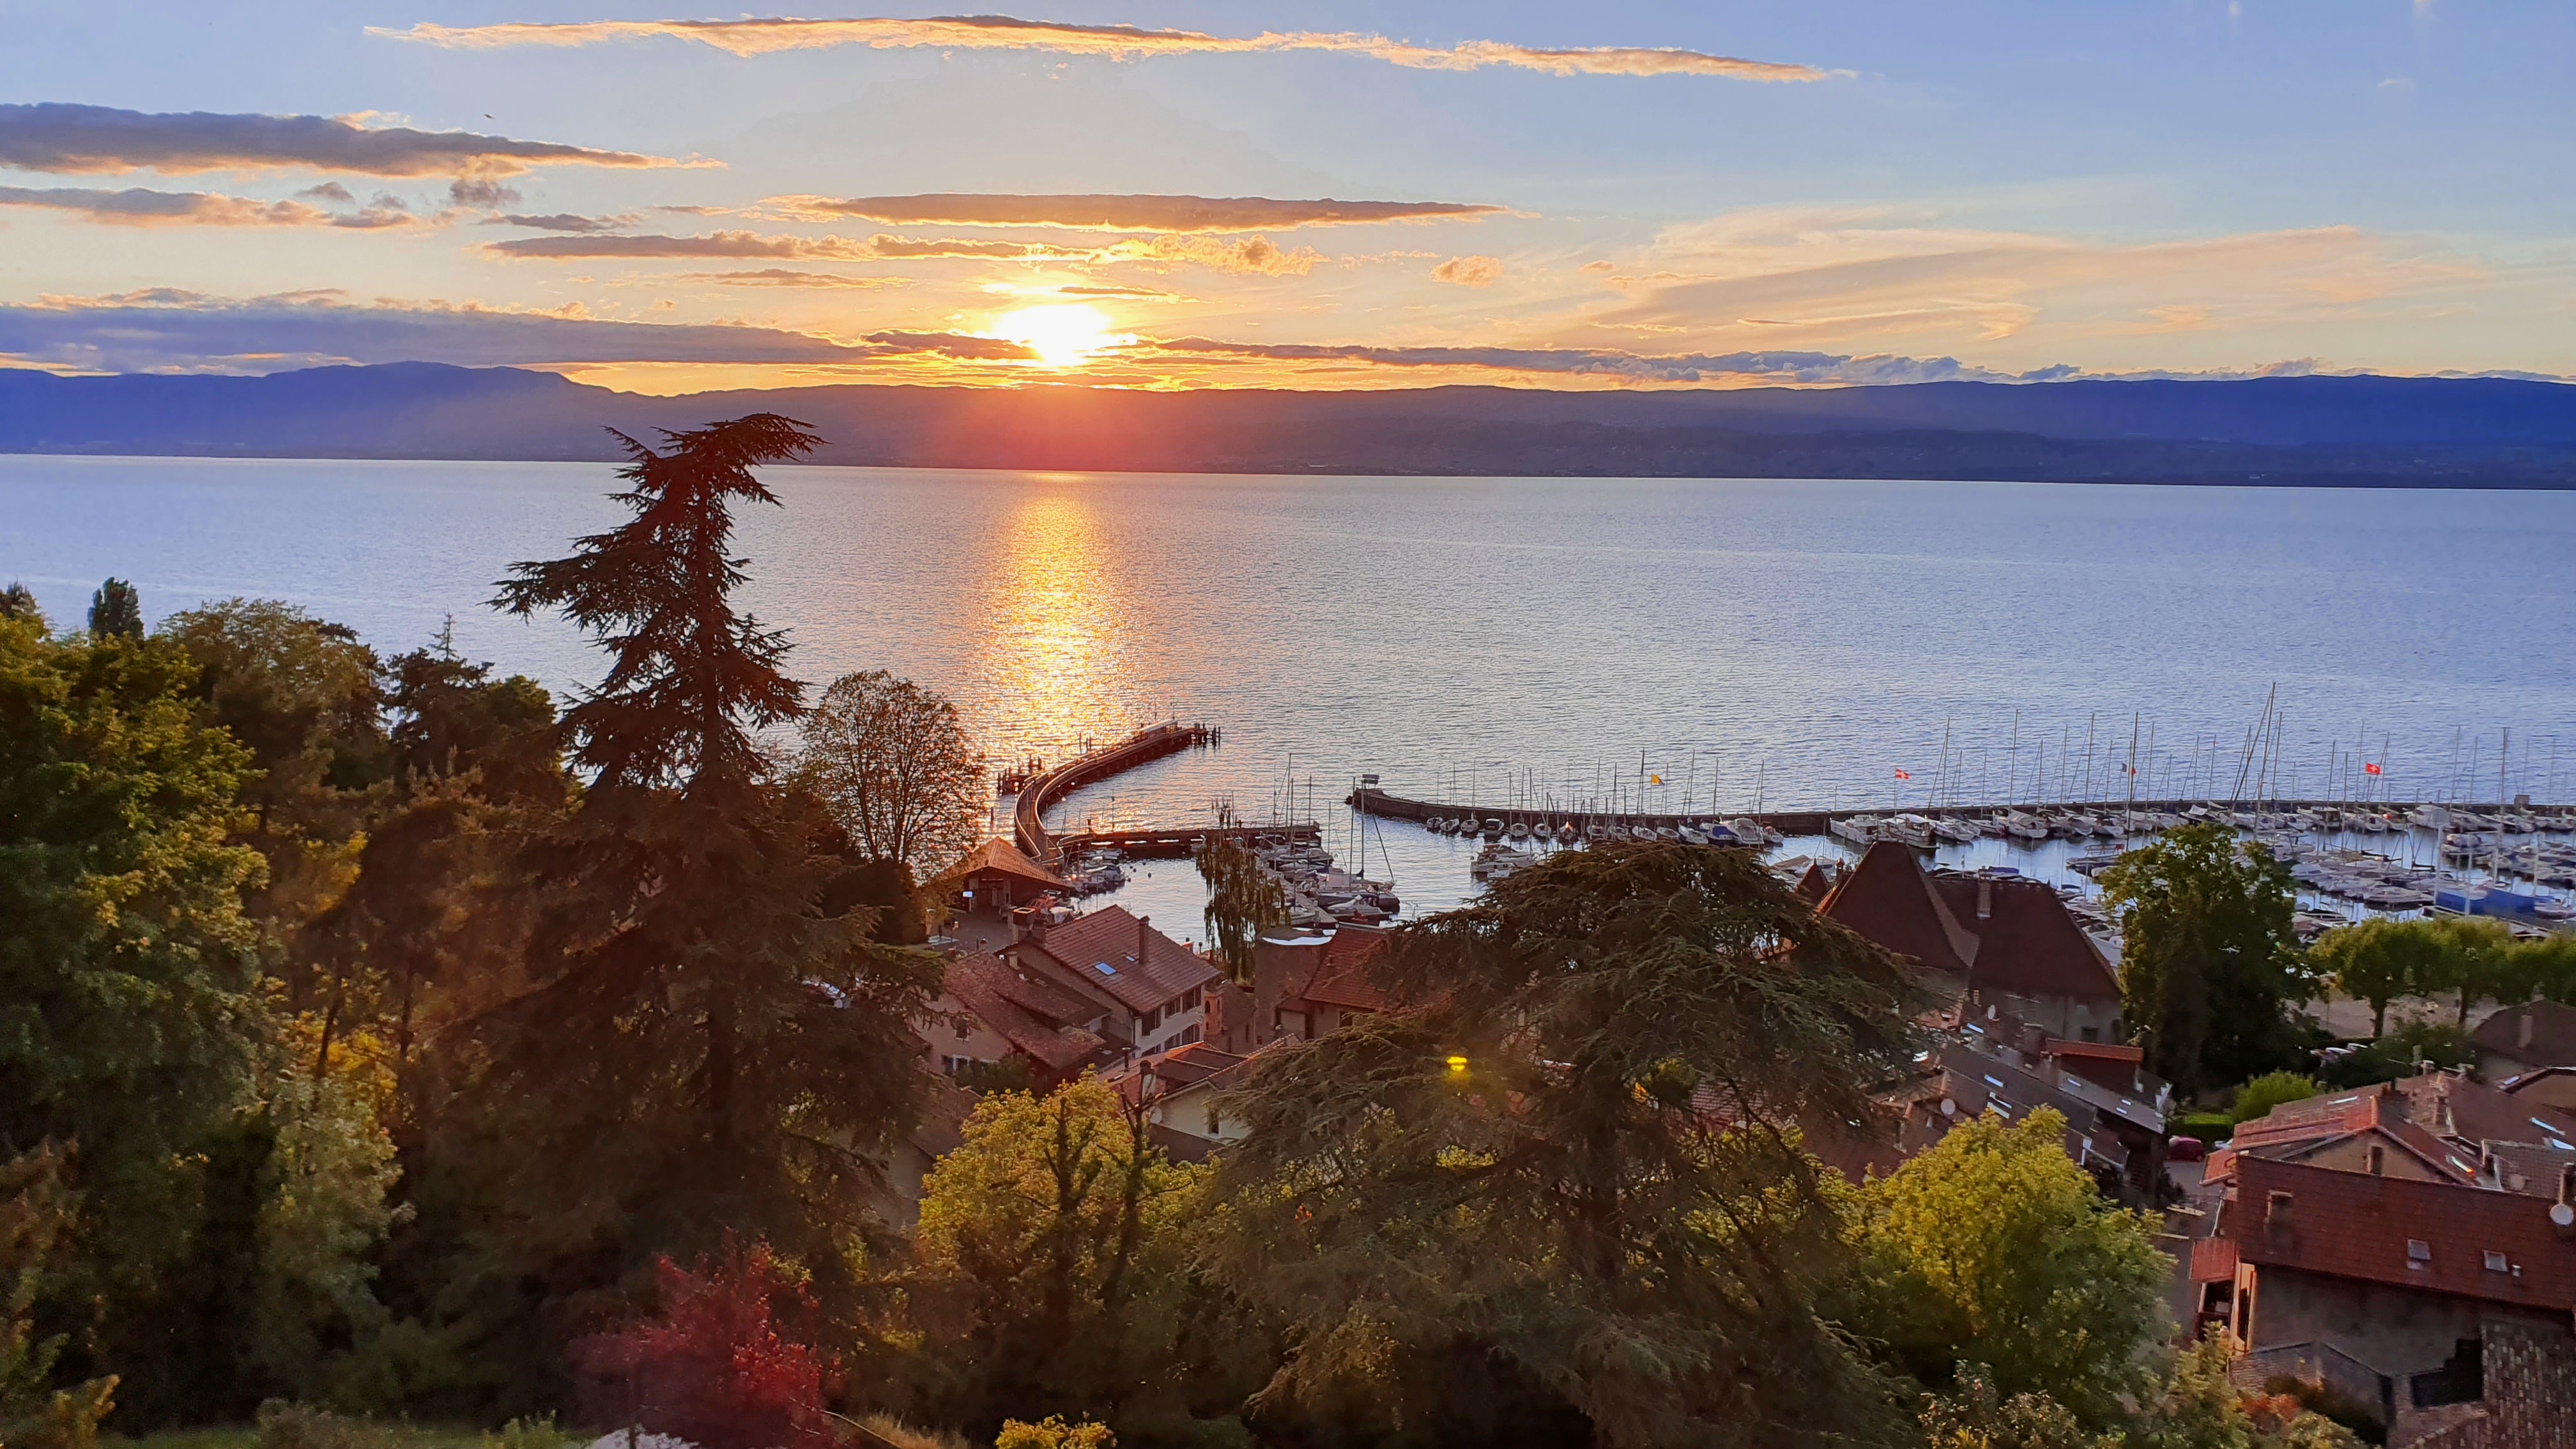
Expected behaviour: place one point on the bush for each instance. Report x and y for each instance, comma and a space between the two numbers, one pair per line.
2393, 1056
714, 1368
285, 1425
894, 1433
2212, 1127
528, 1434
2258, 1097
1054, 1433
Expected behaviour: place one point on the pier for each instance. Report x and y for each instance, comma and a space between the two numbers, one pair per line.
1370, 800
1028, 819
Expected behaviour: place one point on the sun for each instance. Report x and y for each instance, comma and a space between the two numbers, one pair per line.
1061, 336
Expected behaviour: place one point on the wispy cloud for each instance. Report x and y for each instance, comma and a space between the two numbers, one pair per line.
85, 140
1122, 213
751, 37
162, 330
140, 207
565, 221
788, 277
1469, 271
1254, 255
1781, 367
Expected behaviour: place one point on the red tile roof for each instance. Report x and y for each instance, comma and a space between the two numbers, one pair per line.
1000, 857
1994, 934
2479, 1113
1342, 977
2553, 1034
2295, 1130
2355, 1225
1103, 948
1035, 1017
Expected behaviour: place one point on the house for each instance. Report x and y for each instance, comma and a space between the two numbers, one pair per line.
2521, 1038
1151, 990
2115, 1129
2437, 1127
990, 882
2551, 1087
1997, 943
1304, 984
990, 1011
2398, 1282
1180, 1092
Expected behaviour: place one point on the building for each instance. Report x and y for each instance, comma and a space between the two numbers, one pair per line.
2520, 1038
2551, 1087
990, 882
2438, 1127
1182, 1094
1995, 943
2393, 1287
990, 1012
2114, 1129
1150, 989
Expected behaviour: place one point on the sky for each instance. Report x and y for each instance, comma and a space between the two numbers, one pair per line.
1141, 193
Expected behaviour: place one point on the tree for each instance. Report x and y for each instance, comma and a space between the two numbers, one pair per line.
18, 602
35, 1219
2258, 1097
897, 770
1063, 1225
2198, 1408
1244, 898
700, 1045
1562, 1187
2468, 955
116, 609
451, 717
2544, 968
2378, 961
725, 1363
1975, 1415
2210, 966
131, 1016
1994, 1249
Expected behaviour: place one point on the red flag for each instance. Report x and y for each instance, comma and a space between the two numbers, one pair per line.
1903, 776
2369, 769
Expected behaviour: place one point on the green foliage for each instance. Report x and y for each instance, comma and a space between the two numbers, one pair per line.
2197, 1408
896, 769
284, 1424
131, 1015
1975, 1415
2396, 1055
2203, 1126
1011, 1074
2272, 1089
1560, 1232
330, 1168
1994, 1249
35, 1214
2379, 961
116, 609
539, 1432
1054, 1433
2474, 959
1062, 1227
1243, 900
449, 716
2211, 966
18, 604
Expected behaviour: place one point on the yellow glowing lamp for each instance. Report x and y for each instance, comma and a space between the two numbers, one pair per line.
1457, 1066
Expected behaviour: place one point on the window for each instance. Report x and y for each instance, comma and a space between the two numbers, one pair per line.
1150, 1021
965, 1028
2418, 1254
1189, 1036
1213, 1124
2091, 1033
2496, 1262
1190, 999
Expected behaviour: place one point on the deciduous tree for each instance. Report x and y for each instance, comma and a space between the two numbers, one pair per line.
895, 767
1994, 1249
1564, 1184
2378, 961
2210, 965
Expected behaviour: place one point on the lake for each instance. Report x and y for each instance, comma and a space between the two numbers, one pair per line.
1495, 638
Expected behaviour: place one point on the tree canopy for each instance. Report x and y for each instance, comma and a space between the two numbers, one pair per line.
2210, 967
893, 764
1566, 1180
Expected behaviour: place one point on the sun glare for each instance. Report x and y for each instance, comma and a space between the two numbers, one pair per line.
1061, 336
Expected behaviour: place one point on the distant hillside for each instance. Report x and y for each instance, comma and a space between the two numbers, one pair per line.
2412, 432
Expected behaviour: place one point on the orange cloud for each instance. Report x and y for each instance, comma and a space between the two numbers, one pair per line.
80, 140
1254, 255
1468, 271
753, 37
140, 207
1122, 213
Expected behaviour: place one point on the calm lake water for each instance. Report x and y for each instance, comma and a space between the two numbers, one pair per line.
1497, 638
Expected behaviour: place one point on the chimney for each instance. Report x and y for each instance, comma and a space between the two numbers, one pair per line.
2276, 1213
2378, 1160
1144, 933
1985, 899
2522, 1030
2562, 1213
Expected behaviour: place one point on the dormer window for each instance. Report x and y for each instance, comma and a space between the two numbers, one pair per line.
2419, 1254
2496, 1262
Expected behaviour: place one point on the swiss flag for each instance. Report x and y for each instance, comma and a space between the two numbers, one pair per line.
2369, 769
1903, 776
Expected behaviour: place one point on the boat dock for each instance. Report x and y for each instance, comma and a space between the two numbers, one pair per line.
1028, 818
1182, 841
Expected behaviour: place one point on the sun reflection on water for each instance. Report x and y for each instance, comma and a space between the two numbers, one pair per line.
1056, 654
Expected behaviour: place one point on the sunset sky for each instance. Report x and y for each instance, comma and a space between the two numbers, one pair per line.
1154, 194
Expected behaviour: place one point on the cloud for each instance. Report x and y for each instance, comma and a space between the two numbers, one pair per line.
1468, 271
82, 140
752, 37
564, 221
330, 191
481, 191
163, 329
1598, 268
785, 277
1123, 213
1778, 367
140, 207
953, 344
1250, 256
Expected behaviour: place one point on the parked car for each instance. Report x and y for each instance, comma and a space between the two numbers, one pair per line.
2185, 1149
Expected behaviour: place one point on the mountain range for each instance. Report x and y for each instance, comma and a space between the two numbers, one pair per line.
2365, 430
